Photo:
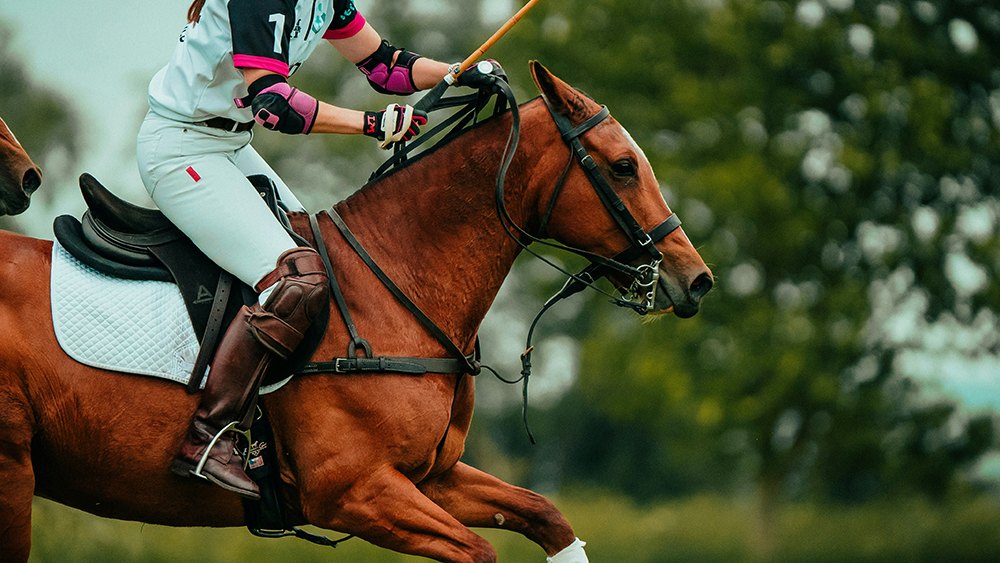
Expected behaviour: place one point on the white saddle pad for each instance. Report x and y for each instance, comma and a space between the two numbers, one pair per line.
139, 327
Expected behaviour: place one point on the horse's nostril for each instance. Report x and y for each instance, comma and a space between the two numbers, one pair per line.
31, 181
700, 286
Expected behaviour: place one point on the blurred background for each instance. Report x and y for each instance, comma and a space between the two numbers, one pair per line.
837, 163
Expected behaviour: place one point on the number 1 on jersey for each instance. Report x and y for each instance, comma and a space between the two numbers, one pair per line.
279, 27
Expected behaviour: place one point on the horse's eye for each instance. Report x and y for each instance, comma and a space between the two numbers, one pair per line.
624, 168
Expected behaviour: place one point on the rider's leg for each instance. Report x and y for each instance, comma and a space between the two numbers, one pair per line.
251, 163
260, 335
191, 173
192, 176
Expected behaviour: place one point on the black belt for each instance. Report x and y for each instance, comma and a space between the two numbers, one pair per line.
227, 124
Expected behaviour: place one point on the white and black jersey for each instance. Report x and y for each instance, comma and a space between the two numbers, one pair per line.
202, 78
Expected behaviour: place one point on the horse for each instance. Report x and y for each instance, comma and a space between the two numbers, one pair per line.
19, 177
374, 455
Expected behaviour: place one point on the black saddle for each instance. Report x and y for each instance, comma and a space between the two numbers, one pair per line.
123, 240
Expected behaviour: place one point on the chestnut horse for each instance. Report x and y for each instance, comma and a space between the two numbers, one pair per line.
377, 456
19, 177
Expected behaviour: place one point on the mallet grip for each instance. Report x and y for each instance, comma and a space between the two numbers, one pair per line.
432, 96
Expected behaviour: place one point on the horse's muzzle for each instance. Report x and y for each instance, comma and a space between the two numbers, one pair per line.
31, 181
685, 302
14, 198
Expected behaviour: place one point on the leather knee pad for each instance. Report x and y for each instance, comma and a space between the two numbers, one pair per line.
300, 297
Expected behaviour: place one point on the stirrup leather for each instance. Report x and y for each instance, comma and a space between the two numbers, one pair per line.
231, 427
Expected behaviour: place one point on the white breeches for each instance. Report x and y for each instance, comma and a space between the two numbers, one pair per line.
196, 175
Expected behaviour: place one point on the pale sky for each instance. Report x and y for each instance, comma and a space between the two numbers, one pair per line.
101, 53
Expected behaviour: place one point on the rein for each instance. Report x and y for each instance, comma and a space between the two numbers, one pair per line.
359, 357
640, 296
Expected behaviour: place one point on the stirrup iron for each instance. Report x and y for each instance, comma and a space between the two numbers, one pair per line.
231, 427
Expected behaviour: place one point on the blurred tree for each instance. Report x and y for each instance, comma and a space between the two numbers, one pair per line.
43, 121
836, 162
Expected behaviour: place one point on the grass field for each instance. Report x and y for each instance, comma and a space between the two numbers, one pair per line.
693, 529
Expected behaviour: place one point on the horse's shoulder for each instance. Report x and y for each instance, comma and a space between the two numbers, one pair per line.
20, 251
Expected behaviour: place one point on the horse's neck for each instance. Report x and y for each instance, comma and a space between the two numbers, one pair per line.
433, 225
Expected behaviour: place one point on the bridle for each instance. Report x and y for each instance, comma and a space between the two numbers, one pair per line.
641, 293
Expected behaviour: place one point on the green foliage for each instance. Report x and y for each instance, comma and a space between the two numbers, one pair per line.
806, 145
701, 528
44, 121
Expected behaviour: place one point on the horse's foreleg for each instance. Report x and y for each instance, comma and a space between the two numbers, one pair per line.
480, 500
387, 510
18, 481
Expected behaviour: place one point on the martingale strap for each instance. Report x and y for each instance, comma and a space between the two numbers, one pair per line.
352, 363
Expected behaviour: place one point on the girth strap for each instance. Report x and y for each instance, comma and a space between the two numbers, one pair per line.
388, 364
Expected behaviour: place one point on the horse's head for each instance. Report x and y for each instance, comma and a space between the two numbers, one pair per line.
583, 209
19, 177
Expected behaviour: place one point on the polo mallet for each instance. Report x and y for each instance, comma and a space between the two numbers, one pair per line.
435, 93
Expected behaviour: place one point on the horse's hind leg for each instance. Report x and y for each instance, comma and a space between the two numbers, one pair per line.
480, 500
17, 481
387, 510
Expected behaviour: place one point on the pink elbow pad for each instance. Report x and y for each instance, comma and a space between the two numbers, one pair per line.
278, 106
395, 79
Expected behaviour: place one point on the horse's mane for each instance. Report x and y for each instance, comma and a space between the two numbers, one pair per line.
429, 156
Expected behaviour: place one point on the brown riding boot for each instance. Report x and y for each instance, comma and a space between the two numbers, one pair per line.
258, 336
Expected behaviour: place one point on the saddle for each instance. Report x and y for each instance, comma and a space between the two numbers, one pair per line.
123, 240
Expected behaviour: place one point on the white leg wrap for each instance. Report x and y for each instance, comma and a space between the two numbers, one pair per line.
573, 553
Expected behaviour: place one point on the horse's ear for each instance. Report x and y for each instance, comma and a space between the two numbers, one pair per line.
561, 97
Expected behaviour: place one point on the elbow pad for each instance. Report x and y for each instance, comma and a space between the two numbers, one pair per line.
278, 106
385, 77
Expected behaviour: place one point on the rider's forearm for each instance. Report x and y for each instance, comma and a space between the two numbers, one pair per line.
334, 119
428, 72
